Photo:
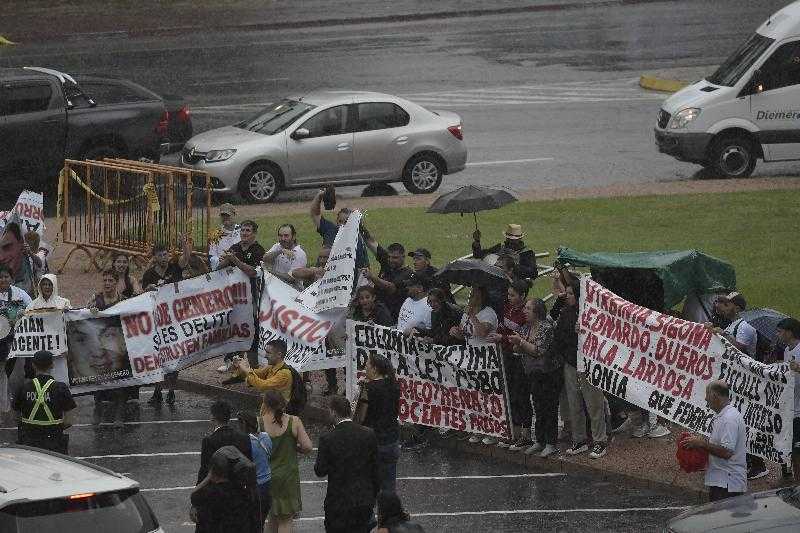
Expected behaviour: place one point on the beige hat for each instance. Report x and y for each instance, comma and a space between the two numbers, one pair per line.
514, 232
227, 209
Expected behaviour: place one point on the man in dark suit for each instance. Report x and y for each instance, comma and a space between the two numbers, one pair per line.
348, 455
222, 435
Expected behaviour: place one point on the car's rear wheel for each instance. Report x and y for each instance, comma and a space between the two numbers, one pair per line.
260, 183
423, 174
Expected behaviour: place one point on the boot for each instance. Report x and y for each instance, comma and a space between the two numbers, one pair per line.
156, 398
170, 397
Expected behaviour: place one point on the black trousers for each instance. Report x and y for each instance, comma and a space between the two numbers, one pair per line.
545, 390
519, 391
54, 440
720, 493
350, 520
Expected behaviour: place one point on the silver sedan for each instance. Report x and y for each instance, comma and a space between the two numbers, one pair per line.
331, 137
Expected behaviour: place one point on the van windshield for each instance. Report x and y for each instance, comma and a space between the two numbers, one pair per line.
732, 70
275, 117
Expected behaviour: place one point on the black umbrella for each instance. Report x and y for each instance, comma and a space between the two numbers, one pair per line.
471, 199
473, 272
765, 321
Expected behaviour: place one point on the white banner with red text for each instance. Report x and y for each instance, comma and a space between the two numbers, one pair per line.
663, 363
453, 387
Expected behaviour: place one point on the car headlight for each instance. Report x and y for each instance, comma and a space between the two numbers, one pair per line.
219, 155
683, 117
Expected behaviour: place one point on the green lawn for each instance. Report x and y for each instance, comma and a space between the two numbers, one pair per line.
755, 231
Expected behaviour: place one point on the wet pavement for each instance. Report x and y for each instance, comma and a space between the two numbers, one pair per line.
445, 489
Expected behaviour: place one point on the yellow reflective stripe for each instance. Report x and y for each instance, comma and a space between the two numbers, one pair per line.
40, 401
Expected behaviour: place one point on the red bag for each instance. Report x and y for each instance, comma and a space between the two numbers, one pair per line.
690, 460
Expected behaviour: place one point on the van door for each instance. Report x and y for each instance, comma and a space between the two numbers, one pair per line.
775, 103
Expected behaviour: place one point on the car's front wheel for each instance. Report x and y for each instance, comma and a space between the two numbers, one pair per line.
733, 157
423, 174
260, 183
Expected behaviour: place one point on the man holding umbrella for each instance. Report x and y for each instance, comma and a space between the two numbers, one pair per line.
514, 246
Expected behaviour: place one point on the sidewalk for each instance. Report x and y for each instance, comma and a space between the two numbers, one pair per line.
645, 461
42, 20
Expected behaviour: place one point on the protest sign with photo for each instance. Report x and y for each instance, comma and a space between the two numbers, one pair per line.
453, 387
30, 210
39, 331
663, 364
282, 316
97, 356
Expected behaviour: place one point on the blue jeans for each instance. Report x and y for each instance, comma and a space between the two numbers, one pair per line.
388, 454
265, 500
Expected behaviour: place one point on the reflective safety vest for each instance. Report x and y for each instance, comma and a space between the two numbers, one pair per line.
40, 402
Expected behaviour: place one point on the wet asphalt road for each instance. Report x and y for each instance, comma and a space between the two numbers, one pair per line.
548, 98
449, 491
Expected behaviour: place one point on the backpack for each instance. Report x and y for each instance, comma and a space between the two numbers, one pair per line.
241, 471
299, 396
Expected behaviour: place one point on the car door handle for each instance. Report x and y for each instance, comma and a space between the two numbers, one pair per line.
401, 140
342, 147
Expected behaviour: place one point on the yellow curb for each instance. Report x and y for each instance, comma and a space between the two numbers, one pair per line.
4, 41
661, 84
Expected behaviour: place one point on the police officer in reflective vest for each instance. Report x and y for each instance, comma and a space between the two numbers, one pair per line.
44, 407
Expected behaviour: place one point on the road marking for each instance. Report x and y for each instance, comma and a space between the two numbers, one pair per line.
233, 81
141, 423
508, 161
409, 478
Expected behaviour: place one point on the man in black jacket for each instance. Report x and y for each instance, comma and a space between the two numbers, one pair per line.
348, 456
524, 257
222, 435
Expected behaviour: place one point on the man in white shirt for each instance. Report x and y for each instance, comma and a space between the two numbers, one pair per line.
415, 311
227, 235
286, 255
789, 334
726, 475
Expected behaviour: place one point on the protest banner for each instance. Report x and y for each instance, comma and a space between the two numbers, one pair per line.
336, 286
39, 331
453, 387
663, 363
282, 316
30, 209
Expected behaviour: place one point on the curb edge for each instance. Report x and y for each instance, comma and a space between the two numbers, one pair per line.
654, 83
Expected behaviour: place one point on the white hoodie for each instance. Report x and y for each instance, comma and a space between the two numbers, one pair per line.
54, 302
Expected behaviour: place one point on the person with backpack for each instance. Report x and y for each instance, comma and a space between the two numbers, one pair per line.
277, 375
222, 500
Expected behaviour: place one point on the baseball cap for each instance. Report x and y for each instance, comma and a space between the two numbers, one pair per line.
43, 358
227, 209
420, 251
735, 298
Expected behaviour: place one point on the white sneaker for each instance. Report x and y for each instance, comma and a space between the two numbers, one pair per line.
658, 431
224, 368
489, 441
548, 451
475, 439
640, 431
535, 448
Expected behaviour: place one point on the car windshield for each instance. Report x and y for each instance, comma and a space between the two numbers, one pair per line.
275, 117
120, 512
732, 70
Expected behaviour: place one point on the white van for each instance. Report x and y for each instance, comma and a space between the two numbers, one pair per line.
46, 492
748, 109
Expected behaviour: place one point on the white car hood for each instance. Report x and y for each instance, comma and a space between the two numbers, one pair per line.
223, 138
693, 96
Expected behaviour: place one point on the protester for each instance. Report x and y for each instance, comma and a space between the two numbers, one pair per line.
726, 475
348, 456
390, 281
328, 230
35, 265
512, 323
127, 287
377, 408
275, 376
368, 309
478, 321
14, 254
225, 236
444, 316
218, 503
45, 407
579, 390
789, 335
108, 294
392, 518
191, 264
48, 295
289, 438
161, 270
514, 246
261, 448
308, 275
415, 311
222, 434
286, 255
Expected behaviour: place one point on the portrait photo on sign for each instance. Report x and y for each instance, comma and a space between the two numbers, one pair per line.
97, 351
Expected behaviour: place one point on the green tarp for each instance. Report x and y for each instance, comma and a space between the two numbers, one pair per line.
681, 272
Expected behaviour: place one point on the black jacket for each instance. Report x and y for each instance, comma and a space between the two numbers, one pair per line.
222, 436
348, 455
441, 321
525, 258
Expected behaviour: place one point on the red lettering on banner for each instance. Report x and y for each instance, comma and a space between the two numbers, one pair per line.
162, 315
138, 324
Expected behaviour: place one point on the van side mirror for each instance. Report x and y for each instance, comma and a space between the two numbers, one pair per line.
301, 133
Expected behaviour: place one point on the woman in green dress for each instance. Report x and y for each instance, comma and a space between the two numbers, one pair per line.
289, 438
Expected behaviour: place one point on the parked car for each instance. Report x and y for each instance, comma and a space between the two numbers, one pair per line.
48, 492
776, 511
331, 137
46, 117
111, 91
